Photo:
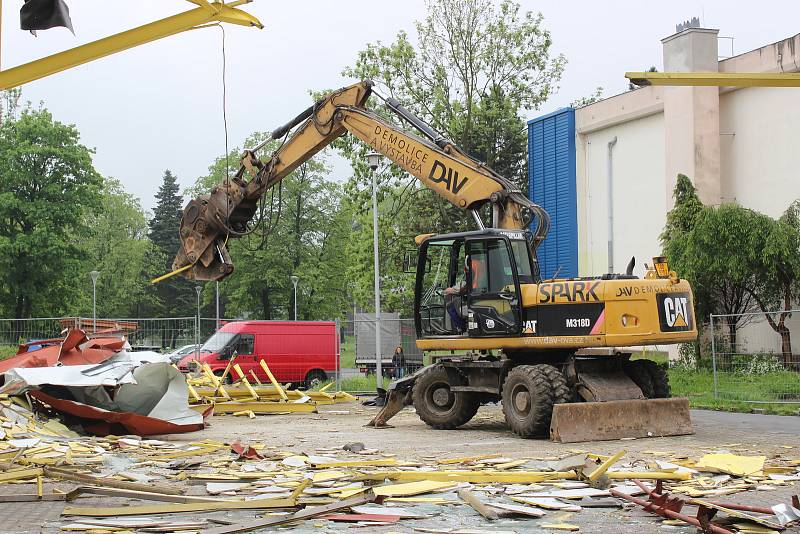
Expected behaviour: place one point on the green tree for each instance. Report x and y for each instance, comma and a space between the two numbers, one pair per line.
118, 247
474, 68
584, 101
299, 229
49, 186
718, 256
176, 294
780, 265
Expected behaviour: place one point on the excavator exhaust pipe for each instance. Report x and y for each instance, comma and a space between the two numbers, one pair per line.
611, 420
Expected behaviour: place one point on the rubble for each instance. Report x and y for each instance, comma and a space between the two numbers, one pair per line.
119, 479
154, 485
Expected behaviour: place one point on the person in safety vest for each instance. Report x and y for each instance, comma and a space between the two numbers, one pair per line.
455, 297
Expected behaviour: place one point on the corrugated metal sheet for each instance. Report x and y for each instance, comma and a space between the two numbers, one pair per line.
551, 179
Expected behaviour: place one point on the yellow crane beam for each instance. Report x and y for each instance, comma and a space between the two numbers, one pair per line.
206, 13
716, 79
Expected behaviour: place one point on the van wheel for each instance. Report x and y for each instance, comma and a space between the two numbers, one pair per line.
314, 378
228, 379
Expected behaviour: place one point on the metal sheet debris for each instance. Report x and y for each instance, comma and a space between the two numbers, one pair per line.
732, 464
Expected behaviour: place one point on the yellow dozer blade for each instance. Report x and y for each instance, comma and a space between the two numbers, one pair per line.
616, 419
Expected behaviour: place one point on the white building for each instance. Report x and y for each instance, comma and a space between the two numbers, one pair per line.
606, 171
625, 152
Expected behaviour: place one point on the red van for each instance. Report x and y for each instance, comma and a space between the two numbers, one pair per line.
301, 352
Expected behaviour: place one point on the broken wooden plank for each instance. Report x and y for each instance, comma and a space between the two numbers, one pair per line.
143, 495
411, 488
64, 474
475, 477
603, 467
154, 509
478, 505
307, 513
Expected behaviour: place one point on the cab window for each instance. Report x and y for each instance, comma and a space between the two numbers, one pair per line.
523, 258
245, 344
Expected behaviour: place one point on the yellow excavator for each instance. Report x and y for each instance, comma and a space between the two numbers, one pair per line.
548, 349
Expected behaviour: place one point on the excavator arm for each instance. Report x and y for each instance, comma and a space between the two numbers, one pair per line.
210, 220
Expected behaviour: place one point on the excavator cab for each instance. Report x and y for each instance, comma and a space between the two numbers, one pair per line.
468, 284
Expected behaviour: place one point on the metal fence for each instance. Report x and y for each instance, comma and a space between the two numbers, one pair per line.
756, 357
159, 334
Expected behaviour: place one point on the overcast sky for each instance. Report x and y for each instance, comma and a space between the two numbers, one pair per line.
159, 106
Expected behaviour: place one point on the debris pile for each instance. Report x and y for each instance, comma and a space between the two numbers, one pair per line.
148, 485
233, 393
100, 385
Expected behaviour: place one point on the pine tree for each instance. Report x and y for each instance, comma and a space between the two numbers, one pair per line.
176, 295
167, 216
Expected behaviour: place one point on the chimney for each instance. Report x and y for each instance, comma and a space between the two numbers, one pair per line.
691, 114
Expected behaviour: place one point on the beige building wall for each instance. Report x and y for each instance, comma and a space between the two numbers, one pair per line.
737, 145
639, 202
760, 146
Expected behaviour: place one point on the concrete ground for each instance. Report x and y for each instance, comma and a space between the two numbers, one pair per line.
411, 439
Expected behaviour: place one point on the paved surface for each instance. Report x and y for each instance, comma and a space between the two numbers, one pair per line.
487, 433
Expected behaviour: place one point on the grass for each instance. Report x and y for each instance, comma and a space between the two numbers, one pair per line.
347, 351
735, 389
7, 352
357, 383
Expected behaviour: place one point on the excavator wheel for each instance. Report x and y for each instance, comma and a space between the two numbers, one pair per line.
437, 405
561, 390
659, 378
650, 377
529, 393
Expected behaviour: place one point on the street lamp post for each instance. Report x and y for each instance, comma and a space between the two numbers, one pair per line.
217, 325
374, 160
294, 280
198, 290
94, 275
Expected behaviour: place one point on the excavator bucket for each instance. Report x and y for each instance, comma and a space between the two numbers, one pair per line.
618, 419
398, 397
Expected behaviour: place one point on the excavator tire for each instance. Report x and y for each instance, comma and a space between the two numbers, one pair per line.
659, 378
528, 398
640, 372
439, 407
561, 390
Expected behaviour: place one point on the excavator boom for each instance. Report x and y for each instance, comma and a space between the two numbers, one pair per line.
210, 220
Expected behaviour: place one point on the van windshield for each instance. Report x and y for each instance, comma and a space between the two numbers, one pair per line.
217, 342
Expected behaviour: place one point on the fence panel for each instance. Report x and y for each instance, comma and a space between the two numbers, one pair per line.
754, 363
357, 360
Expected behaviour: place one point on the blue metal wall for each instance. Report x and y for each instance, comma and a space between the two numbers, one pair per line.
551, 179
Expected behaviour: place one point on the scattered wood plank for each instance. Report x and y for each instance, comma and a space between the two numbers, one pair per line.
307, 513
65, 474
478, 505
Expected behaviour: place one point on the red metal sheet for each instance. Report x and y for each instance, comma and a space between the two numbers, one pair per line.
245, 451
103, 422
66, 352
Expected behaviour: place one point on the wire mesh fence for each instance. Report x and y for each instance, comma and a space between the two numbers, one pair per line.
157, 334
756, 357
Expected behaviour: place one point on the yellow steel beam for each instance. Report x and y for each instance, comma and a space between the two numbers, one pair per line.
259, 407
716, 79
206, 13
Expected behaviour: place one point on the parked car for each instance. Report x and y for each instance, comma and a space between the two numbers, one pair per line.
176, 355
298, 352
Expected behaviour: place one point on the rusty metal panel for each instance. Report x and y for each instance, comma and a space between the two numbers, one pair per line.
600, 421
